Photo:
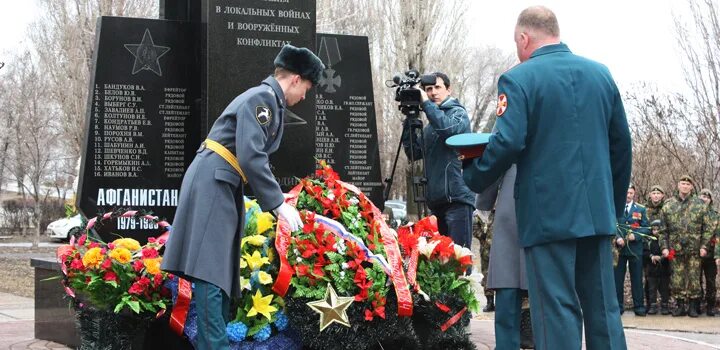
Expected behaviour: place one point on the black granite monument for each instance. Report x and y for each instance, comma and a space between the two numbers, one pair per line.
346, 130
142, 125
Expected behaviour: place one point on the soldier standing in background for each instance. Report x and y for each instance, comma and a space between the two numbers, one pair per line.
483, 231
688, 234
653, 206
630, 245
709, 269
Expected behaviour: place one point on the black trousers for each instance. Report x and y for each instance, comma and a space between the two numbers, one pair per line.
709, 271
657, 284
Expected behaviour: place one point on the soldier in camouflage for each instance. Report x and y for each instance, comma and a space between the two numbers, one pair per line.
708, 267
687, 234
655, 204
483, 231
653, 207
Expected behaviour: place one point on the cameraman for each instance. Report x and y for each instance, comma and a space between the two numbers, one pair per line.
448, 198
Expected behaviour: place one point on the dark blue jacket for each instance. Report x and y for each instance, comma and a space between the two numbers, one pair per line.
636, 216
563, 122
444, 169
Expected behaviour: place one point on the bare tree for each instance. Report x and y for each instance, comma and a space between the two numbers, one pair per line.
64, 38
416, 34
679, 133
35, 131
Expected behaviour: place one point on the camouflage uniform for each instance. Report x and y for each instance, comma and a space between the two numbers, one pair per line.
687, 229
484, 233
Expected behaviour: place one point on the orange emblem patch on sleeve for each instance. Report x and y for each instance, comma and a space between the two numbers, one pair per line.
502, 104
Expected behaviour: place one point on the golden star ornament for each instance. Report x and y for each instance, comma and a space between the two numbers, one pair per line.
332, 308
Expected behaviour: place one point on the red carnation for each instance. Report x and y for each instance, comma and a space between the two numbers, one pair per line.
106, 264
635, 225
149, 253
77, 264
671, 255
157, 279
110, 276
81, 240
136, 289
138, 265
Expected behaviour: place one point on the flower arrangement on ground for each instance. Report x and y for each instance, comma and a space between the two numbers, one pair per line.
111, 281
260, 320
345, 248
436, 269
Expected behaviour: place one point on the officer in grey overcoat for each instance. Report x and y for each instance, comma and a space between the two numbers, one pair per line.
205, 240
506, 272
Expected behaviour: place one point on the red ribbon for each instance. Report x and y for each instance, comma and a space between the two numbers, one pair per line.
444, 308
182, 304
453, 320
282, 242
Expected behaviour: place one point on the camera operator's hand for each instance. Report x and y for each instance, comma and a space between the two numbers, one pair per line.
423, 94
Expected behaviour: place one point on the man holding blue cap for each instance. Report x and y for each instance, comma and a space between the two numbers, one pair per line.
561, 119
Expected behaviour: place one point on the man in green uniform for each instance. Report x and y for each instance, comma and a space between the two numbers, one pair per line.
655, 204
687, 234
708, 267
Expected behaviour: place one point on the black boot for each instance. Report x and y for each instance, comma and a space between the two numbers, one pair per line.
664, 310
490, 307
680, 308
693, 308
710, 308
653, 309
526, 334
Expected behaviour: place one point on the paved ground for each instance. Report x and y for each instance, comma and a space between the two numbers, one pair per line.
654, 332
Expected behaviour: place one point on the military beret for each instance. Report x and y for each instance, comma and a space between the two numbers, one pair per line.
687, 178
301, 61
657, 188
656, 222
707, 192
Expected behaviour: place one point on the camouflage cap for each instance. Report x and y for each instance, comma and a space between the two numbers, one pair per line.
656, 223
707, 192
657, 188
687, 178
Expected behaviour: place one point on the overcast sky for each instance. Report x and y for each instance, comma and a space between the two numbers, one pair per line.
634, 38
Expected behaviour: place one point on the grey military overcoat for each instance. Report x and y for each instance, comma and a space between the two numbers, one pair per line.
205, 238
507, 259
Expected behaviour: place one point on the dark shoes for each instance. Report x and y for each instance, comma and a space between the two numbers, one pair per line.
710, 308
680, 308
490, 307
652, 310
664, 310
640, 313
693, 309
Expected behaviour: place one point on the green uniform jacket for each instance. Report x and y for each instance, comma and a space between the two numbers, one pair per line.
561, 119
688, 227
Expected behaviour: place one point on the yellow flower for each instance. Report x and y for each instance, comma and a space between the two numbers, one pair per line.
243, 263
93, 257
271, 254
249, 204
121, 255
127, 243
256, 240
261, 305
152, 266
265, 221
255, 261
264, 277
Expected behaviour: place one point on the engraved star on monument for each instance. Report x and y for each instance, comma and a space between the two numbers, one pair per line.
147, 54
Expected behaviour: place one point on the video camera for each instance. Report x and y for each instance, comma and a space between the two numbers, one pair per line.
405, 93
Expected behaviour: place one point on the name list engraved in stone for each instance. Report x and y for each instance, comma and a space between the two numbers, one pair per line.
174, 111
